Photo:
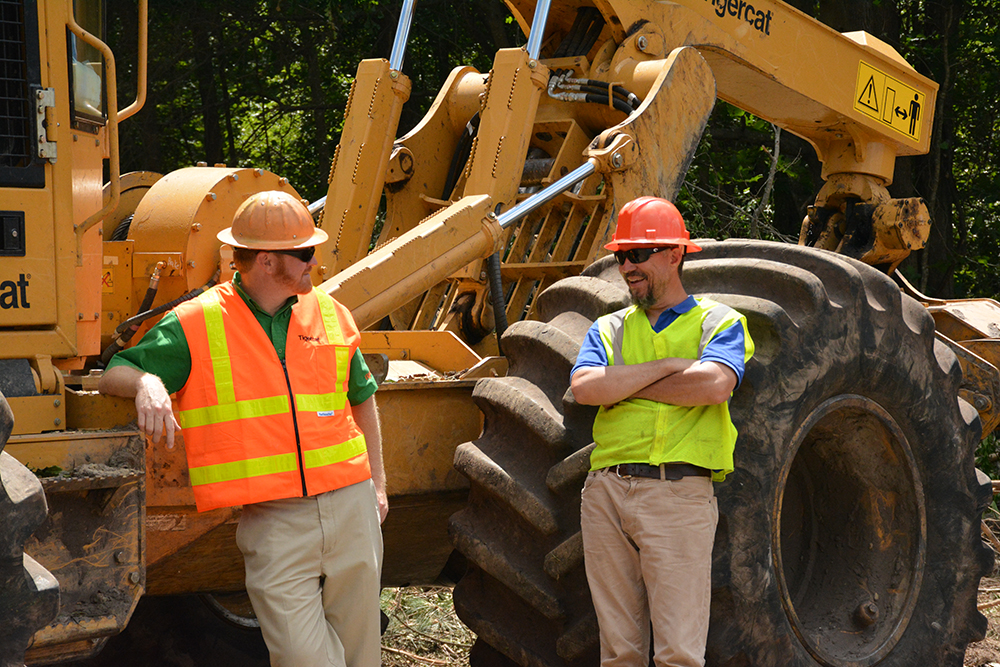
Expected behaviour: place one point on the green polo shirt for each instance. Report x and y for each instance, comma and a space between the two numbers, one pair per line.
164, 350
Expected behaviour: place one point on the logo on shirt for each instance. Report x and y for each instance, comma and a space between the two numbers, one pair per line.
308, 339
325, 413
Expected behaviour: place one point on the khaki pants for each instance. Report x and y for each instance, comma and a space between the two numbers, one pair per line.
313, 567
647, 547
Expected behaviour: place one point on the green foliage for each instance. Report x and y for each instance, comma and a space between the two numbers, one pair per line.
988, 456
264, 83
727, 191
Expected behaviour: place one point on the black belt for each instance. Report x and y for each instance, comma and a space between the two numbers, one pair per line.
671, 471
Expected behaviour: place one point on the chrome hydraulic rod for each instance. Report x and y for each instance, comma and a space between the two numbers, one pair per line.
317, 206
508, 218
402, 35
538, 28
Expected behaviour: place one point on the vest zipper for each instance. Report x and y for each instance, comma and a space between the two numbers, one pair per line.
295, 425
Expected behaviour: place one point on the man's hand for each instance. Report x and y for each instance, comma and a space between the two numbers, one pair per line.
383, 503
155, 410
152, 402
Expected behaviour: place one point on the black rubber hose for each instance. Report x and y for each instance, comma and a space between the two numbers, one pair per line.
460, 157
568, 44
621, 105
593, 32
619, 91
497, 296
131, 325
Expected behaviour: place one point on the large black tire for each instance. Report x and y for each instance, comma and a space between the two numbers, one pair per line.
849, 532
178, 631
29, 594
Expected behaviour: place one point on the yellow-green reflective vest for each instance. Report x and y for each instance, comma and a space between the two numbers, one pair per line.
642, 431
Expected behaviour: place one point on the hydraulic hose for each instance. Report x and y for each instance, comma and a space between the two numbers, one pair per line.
127, 329
497, 296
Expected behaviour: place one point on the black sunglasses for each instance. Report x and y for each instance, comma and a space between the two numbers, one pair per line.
301, 254
638, 255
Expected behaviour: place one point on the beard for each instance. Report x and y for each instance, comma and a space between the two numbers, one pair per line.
299, 284
646, 299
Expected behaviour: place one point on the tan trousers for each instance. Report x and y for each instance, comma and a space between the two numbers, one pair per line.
312, 568
647, 547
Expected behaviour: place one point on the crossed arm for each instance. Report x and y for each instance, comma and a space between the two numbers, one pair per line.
686, 382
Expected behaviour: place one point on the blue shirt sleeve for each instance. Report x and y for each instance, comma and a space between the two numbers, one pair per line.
592, 351
728, 347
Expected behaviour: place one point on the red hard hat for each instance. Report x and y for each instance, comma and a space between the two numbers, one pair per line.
649, 222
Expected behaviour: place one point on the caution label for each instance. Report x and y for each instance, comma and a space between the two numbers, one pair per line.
889, 101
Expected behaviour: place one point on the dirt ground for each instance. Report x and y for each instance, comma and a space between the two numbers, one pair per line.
987, 652
424, 630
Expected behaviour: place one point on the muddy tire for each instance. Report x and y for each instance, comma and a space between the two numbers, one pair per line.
29, 594
849, 532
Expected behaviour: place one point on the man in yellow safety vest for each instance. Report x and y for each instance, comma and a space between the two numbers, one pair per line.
278, 414
662, 371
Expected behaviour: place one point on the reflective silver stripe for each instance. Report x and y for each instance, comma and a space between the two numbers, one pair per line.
715, 316
615, 326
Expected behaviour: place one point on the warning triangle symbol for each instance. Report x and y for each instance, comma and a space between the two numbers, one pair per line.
869, 97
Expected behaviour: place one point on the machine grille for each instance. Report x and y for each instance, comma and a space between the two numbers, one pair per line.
15, 117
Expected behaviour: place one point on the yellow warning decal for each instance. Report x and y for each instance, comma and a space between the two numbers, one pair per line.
889, 101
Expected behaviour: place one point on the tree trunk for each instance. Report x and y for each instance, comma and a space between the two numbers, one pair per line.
208, 90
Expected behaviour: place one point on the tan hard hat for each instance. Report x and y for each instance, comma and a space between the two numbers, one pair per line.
650, 222
272, 220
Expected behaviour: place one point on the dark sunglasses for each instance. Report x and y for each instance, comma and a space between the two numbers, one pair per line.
638, 255
301, 254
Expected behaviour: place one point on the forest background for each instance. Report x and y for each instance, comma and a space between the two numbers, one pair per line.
264, 83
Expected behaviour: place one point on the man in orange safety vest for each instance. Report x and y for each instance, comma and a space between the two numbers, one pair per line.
278, 414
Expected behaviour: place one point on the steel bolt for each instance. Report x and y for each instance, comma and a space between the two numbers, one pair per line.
532, 64
393, 75
642, 43
191, 263
196, 227
119, 556
133, 577
866, 614
617, 160
982, 403
56, 403
57, 421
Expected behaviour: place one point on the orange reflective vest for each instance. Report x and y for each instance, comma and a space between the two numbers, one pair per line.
256, 428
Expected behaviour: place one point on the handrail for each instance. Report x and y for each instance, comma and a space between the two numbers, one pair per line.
110, 79
140, 84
